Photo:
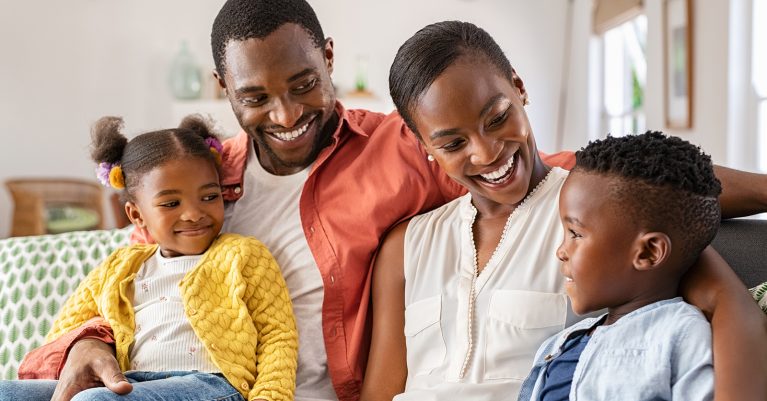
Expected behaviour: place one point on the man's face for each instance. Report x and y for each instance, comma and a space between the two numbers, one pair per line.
281, 92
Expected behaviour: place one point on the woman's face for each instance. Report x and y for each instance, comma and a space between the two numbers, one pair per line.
472, 121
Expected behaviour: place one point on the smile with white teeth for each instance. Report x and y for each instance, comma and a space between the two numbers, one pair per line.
291, 135
499, 175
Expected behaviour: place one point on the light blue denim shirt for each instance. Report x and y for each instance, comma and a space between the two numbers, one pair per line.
661, 351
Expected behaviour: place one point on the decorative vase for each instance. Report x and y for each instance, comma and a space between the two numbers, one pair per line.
185, 78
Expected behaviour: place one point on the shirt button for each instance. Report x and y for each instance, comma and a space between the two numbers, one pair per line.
332, 279
311, 229
237, 190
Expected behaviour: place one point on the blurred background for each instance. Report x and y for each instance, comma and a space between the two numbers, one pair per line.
590, 67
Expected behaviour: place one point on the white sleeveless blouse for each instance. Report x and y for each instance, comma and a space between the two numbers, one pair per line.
519, 299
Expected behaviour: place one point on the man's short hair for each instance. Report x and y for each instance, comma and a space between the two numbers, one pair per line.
663, 184
247, 19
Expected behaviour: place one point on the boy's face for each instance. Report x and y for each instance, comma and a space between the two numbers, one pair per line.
598, 246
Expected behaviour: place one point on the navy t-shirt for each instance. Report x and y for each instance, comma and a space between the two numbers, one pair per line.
558, 377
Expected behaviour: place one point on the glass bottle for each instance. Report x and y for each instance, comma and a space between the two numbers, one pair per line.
185, 78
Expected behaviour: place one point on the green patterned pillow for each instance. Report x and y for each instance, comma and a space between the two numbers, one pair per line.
37, 274
760, 294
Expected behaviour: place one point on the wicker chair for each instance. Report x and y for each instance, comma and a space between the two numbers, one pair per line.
39, 200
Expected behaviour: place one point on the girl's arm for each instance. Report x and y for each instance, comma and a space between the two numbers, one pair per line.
739, 328
277, 349
387, 362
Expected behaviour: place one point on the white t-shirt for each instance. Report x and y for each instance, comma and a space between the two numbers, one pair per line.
164, 339
269, 211
519, 299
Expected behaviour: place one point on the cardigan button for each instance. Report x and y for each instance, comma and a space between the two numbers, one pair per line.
244, 386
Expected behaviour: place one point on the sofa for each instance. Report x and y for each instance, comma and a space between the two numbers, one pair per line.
37, 274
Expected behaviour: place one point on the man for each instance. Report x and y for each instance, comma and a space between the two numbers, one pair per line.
318, 184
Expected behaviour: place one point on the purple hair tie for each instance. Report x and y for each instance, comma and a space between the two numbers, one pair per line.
214, 143
102, 172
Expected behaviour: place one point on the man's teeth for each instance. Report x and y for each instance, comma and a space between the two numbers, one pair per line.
291, 135
501, 172
568, 279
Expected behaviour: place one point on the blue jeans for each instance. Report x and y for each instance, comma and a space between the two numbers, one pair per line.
147, 386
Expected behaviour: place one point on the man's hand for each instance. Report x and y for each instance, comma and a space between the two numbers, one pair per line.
91, 363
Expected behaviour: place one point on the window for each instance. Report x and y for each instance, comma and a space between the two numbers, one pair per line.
625, 75
759, 71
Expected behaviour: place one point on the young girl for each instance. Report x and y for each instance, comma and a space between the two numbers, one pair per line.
199, 316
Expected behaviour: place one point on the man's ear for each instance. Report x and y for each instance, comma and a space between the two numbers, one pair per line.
134, 214
653, 249
327, 51
220, 80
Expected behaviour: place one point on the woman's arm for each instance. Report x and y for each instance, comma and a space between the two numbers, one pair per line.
739, 328
743, 193
387, 363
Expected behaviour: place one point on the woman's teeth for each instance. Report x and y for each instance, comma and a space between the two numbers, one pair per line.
291, 135
498, 175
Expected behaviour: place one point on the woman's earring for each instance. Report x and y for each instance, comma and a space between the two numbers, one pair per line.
430, 158
527, 101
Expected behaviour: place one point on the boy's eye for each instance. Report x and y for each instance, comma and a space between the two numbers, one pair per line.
169, 204
573, 234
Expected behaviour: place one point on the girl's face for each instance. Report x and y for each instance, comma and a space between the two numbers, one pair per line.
179, 203
472, 121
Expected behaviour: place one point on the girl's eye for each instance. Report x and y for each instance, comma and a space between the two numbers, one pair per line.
210, 197
306, 87
169, 204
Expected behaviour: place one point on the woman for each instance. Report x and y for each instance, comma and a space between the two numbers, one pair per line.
478, 279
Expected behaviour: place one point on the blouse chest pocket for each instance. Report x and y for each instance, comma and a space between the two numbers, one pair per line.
423, 335
518, 323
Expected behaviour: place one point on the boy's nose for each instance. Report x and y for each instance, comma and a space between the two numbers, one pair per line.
561, 254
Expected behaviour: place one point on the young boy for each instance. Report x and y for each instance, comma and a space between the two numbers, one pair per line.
637, 211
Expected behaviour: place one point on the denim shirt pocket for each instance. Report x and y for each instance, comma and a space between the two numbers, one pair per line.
423, 335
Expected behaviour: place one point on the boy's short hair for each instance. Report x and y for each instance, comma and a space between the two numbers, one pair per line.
663, 183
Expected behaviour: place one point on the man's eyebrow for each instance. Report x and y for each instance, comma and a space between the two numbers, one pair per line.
249, 89
304, 72
259, 88
490, 103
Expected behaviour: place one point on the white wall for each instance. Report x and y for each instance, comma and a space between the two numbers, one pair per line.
65, 64
710, 80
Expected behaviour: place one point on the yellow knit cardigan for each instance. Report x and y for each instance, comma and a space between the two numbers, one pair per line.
235, 299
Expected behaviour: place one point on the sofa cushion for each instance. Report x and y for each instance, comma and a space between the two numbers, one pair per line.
37, 275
